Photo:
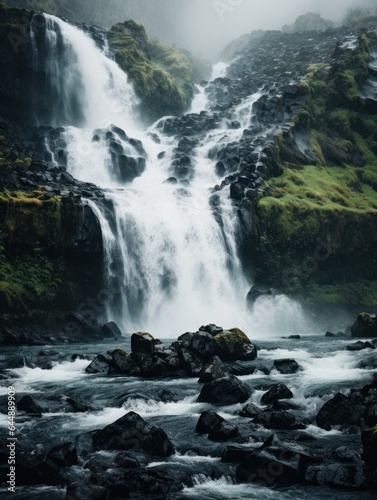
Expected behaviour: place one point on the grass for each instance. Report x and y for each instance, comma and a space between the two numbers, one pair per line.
161, 76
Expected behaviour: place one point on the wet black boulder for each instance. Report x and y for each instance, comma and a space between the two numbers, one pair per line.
225, 391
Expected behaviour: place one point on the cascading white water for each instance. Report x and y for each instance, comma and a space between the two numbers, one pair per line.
175, 265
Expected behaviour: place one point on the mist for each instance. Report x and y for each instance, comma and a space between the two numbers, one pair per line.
208, 25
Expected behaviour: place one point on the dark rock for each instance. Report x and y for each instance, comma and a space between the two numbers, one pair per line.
336, 475
168, 396
204, 345
240, 368
276, 391
237, 191
286, 366
111, 331
215, 369
340, 410
234, 345
28, 405
77, 406
358, 346
126, 460
100, 364
132, 432
142, 343
121, 362
236, 454
223, 432
250, 411
211, 329
208, 420
254, 293
365, 326
369, 441
225, 391
64, 455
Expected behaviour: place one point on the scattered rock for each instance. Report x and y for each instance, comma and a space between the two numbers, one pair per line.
276, 391
225, 391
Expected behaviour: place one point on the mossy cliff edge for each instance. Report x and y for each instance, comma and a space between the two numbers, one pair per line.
161, 76
314, 236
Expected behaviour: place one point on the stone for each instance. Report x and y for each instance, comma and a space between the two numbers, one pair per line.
64, 455
286, 366
28, 405
208, 420
365, 326
223, 432
359, 346
111, 331
100, 364
250, 411
339, 410
336, 475
276, 391
132, 432
225, 391
142, 343
215, 369
234, 345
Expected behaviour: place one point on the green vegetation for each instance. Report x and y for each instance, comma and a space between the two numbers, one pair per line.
331, 203
161, 76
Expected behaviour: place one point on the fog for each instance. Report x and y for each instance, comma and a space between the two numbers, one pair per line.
202, 26
209, 25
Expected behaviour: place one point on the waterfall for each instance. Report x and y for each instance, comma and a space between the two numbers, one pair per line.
170, 249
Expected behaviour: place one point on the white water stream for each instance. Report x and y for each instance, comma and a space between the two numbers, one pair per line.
177, 267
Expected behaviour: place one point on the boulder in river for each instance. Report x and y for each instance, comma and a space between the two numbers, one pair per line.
365, 326
225, 391
339, 410
132, 432
142, 343
286, 366
276, 392
215, 369
234, 345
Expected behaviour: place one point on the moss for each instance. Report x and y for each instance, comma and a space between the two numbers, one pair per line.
161, 76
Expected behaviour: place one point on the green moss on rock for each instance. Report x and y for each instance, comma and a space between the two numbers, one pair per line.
161, 76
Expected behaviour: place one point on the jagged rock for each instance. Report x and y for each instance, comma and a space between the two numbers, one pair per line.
64, 455
142, 343
132, 432
225, 391
204, 345
359, 346
211, 329
234, 345
250, 411
126, 460
28, 405
215, 369
276, 391
286, 366
365, 326
223, 432
236, 454
111, 330
340, 410
336, 475
100, 364
240, 368
121, 362
208, 420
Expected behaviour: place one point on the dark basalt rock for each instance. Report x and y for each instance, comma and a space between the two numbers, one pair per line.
236, 454
64, 455
254, 293
365, 326
132, 432
224, 391
208, 420
340, 410
28, 405
111, 330
223, 432
337, 475
250, 411
214, 370
142, 343
359, 346
276, 391
286, 366
234, 345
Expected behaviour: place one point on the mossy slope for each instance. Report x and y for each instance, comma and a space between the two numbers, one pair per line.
315, 234
161, 76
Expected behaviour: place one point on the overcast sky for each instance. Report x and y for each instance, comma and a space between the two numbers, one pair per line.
211, 24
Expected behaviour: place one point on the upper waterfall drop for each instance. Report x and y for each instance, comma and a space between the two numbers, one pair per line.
84, 88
